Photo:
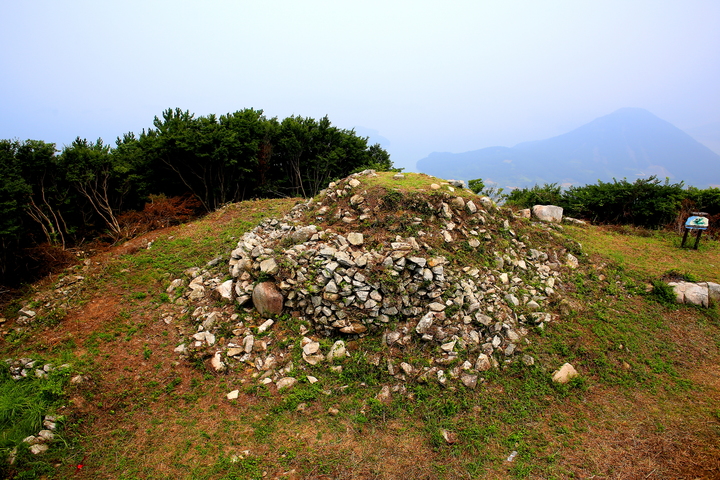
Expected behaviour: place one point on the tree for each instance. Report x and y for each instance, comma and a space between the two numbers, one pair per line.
13, 194
477, 185
49, 201
95, 174
213, 158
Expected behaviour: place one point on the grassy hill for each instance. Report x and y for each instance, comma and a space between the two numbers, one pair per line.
130, 407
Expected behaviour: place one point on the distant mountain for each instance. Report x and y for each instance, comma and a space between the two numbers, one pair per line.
629, 143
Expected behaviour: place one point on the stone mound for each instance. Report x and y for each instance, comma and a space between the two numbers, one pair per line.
440, 269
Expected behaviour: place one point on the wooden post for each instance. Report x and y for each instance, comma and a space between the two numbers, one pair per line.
682, 245
697, 239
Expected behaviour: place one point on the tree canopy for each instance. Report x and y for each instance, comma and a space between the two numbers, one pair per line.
63, 198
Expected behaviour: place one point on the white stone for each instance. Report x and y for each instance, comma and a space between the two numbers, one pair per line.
216, 362
355, 238
384, 395
285, 382
548, 213
39, 448
248, 343
175, 284
267, 324
311, 348
564, 374
436, 307
269, 266
572, 261
425, 323
225, 290
337, 350
206, 337
483, 363
233, 395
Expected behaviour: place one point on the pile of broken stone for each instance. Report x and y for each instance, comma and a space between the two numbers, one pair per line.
40, 443
24, 367
477, 317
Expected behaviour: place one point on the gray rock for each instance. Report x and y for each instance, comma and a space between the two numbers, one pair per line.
470, 381
713, 292
458, 202
512, 300
384, 395
483, 363
425, 323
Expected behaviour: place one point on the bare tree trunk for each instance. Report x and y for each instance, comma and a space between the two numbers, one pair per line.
51, 227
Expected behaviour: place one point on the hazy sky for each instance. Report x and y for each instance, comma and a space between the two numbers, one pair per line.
425, 75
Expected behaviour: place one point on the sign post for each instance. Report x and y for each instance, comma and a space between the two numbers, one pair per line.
699, 222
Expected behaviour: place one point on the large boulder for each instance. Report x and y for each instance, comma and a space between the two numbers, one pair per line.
696, 293
548, 213
267, 299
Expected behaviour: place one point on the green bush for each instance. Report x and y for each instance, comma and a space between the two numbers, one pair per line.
548, 194
663, 292
647, 203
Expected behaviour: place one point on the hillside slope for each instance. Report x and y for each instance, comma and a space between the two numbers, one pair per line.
183, 383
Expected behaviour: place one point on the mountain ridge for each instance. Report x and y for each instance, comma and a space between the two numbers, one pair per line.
628, 143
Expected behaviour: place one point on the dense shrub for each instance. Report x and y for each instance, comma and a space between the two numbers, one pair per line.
647, 203
548, 194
